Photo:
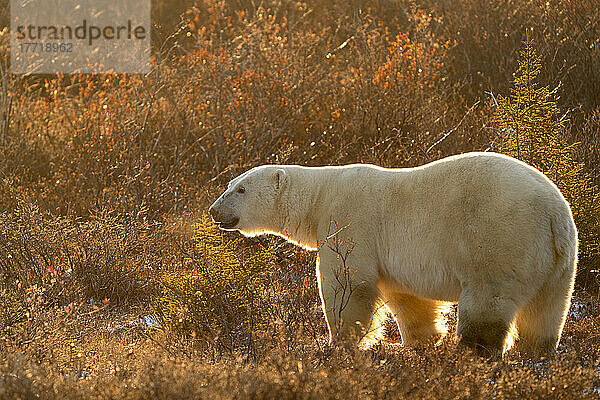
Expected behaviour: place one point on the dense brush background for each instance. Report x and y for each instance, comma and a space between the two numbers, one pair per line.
109, 287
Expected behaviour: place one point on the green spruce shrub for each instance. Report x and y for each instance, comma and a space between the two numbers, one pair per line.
533, 131
223, 297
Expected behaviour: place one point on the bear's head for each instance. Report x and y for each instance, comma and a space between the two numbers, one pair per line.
250, 203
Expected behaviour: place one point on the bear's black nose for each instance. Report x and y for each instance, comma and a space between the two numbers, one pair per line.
213, 213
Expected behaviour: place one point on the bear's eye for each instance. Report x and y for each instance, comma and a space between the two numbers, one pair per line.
241, 190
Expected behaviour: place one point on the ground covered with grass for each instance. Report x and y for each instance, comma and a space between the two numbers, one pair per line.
111, 355
121, 347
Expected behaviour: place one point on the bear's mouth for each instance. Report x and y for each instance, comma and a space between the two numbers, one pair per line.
228, 224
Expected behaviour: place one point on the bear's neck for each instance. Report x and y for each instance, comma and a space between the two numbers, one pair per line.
299, 208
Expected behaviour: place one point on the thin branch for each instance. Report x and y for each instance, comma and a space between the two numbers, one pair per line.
445, 135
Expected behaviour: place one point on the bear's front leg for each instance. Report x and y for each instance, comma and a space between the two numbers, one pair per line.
349, 297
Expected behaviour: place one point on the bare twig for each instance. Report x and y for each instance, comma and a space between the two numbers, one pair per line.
451, 131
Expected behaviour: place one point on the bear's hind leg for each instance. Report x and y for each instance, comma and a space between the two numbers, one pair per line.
419, 320
541, 320
484, 320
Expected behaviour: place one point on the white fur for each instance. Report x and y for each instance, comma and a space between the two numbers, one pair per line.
481, 229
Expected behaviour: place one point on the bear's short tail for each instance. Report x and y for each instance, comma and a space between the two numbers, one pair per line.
565, 239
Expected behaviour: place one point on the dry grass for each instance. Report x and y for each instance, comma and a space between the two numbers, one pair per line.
83, 358
103, 177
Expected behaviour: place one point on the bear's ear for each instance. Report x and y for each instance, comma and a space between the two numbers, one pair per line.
280, 178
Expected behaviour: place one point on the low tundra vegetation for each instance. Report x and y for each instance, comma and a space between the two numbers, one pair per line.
222, 298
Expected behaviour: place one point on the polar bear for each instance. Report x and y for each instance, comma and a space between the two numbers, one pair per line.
482, 230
